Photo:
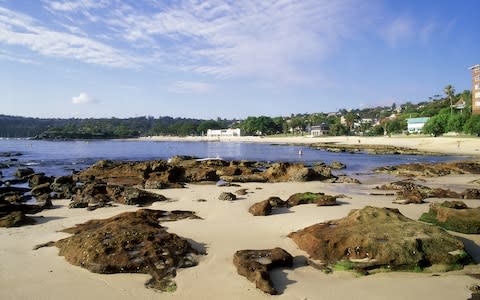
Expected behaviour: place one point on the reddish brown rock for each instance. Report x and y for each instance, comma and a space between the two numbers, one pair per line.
380, 237
131, 242
98, 195
262, 208
255, 265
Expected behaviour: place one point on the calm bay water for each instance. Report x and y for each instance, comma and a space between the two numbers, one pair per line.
62, 157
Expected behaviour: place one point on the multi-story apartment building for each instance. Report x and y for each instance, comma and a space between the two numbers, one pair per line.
475, 89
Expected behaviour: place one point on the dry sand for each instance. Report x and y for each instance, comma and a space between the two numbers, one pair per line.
225, 228
446, 144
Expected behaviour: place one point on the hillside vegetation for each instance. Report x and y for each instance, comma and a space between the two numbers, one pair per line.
380, 120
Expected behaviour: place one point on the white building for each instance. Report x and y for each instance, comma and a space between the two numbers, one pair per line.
224, 132
319, 130
415, 125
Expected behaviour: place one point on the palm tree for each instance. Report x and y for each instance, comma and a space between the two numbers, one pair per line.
449, 90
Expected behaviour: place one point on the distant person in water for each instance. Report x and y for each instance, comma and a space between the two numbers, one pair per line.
300, 152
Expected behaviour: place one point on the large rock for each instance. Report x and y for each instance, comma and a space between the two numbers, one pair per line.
179, 170
38, 179
15, 219
99, 194
121, 173
131, 242
90, 194
455, 216
308, 198
14, 215
262, 208
281, 172
255, 265
380, 237
133, 196
40, 189
64, 187
265, 207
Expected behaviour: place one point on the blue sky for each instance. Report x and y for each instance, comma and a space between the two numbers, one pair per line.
208, 59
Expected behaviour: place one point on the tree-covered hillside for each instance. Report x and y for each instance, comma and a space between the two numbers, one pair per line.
444, 115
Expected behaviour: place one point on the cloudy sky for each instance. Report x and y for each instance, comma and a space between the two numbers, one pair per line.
208, 59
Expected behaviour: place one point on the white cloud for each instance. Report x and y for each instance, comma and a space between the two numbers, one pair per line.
84, 98
273, 40
74, 5
19, 29
253, 39
190, 87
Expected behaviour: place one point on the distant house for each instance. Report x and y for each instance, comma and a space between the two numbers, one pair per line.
224, 132
460, 105
319, 130
415, 125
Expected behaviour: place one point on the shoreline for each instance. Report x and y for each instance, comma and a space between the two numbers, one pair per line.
451, 145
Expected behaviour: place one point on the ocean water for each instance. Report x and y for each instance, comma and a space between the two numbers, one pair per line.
62, 157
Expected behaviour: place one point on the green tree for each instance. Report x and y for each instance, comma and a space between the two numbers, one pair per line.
456, 122
396, 126
472, 125
350, 118
208, 124
449, 91
436, 125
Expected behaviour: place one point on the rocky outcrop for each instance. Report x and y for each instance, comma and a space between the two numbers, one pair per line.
320, 199
63, 187
131, 242
346, 179
97, 195
179, 170
454, 215
380, 237
15, 219
38, 179
265, 207
14, 215
255, 265
410, 192
433, 169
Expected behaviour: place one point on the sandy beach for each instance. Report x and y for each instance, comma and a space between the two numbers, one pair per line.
227, 227
455, 145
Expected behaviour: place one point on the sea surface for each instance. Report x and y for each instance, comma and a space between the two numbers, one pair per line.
55, 158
